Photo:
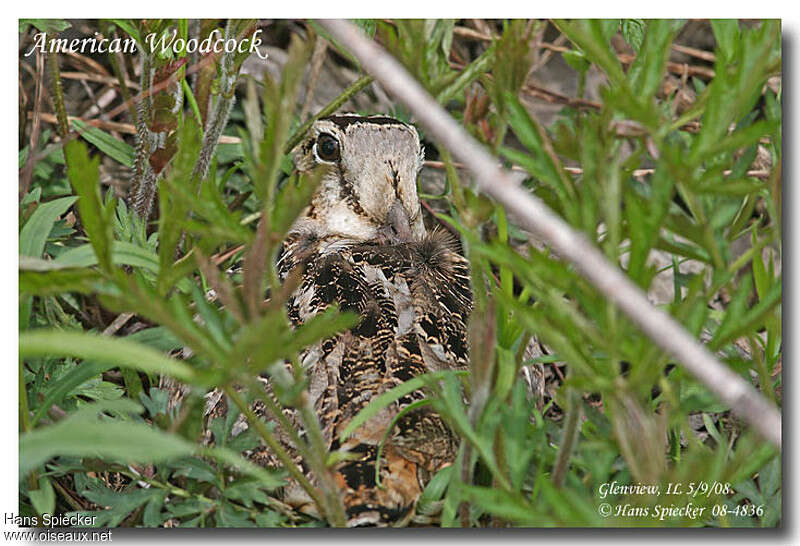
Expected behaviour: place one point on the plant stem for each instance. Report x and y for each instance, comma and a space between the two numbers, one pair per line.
276, 448
569, 437
334, 105
319, 451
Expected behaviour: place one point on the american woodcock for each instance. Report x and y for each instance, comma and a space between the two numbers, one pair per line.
361, 244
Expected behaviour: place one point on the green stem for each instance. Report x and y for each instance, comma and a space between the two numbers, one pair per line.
187, 91
280, 417
64, 493
57, 93
569, 438
409, 408
276, 448
319, 451
24, 419
334, 105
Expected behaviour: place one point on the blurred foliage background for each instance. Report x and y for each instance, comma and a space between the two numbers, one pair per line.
155, 189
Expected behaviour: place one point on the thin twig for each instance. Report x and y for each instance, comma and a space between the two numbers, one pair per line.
125, 128
27, 171
675, 68
118, 323
694, 52
637, 173
557, 98
97, 78
572, 245
317, 59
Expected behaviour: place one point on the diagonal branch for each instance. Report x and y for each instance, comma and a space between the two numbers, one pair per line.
535, 216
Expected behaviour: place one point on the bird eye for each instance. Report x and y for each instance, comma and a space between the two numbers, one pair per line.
327, 147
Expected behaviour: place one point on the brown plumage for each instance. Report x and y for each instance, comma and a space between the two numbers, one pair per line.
414, 301
361, 245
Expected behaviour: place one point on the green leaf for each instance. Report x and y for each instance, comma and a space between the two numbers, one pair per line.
290, 201
173, 210
152, 516
122, 253
35, 231
741, 70
505, 505
727, 34
117, 505
84, 175
55, 391
115, 351
647, 71
44, 498
51, 26
482, 64
540, 162
113, 147
44, 283
633, 32
576, 59
395, 393
117, 440
736, 325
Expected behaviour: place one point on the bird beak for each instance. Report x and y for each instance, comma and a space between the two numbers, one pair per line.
398, 222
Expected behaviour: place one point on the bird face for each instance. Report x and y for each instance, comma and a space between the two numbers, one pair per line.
369, 168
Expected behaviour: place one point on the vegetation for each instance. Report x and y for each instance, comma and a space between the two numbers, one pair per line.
674, 170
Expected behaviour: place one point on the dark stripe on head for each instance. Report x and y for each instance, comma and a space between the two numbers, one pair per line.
343, 121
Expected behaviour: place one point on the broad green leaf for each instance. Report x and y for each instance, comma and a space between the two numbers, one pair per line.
59, 281
727, 35
117, 440
51, 26
44, 498
56, 390
34, 233
84, 175
130, 27
113, 147
115, 351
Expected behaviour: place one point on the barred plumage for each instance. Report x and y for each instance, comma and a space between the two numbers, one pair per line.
361, 245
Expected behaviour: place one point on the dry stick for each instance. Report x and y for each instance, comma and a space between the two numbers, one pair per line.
694, 52
535, 216
118, 323
96, 78
317, 59
126, 128
27, 172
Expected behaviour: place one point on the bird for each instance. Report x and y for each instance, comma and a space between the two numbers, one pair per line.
361, 244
